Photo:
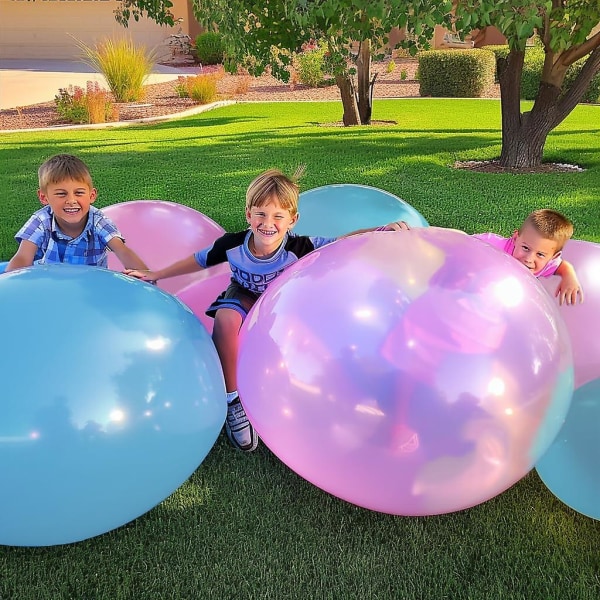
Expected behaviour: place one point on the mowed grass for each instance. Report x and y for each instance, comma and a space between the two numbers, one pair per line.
246, 526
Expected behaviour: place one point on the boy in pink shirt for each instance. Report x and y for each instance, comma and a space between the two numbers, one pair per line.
537, 244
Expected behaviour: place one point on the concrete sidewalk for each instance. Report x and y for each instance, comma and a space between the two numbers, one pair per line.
25, 82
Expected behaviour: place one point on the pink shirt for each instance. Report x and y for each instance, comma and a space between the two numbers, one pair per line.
508, 246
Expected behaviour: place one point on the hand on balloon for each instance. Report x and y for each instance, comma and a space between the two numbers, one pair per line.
569, 287
149, 276
396, 226
567, 291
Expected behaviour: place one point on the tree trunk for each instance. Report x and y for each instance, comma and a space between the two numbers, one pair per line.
363, 72
348, 94
524, 135
522, 145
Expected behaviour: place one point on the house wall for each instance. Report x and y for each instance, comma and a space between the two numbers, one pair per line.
477, 38
41, 29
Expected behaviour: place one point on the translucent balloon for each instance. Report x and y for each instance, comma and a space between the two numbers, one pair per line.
570, 467
582, 320
200, 294
410, 373
333, 210
3, 266
161, 233
112, 396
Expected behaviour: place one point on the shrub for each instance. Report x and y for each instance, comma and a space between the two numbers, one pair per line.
99, 104
500, 51
592, 93
533, 65
124, 65
180, 87
202, 89
309, 64
532, 73
456, 73
92, 105
209, 48
242, 82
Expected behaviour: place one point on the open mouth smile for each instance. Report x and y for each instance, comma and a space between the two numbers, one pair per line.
266, 233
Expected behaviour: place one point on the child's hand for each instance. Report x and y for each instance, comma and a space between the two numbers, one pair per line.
396, 226
568, 289
148, 276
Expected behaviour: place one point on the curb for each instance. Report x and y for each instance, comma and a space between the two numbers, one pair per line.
186, 113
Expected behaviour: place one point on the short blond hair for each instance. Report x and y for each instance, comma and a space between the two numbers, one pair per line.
551, 225
61, 167
274, 185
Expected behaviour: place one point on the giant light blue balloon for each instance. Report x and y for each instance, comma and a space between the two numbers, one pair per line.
571, 466
334, 210
3, 266
112, 396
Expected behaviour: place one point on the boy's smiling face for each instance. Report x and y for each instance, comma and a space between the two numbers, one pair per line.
70, 202
269, 224
533, 250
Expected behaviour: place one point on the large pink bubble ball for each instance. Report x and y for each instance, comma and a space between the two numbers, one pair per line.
161, 233
410, 373
582, 319
202, 292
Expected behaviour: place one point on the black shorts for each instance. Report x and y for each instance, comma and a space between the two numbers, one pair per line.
236, 297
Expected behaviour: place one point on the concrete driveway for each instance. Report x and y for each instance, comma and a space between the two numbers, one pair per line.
24, 82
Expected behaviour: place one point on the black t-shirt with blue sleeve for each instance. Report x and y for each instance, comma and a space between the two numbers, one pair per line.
252, 273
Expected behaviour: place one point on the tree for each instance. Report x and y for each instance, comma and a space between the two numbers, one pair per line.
569, 30
261, 33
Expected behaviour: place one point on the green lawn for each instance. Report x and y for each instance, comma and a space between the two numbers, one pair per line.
245, 526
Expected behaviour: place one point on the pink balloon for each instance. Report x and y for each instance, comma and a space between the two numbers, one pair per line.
161, 233
200, 294
410, 373
583, 320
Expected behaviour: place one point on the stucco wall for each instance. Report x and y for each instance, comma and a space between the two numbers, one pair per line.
41, 29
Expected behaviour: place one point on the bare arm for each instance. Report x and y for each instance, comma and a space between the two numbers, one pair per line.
569, 287
129, 259
395, 226
181, 267
23, 257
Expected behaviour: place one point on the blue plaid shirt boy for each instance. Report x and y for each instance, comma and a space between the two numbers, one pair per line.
89, 248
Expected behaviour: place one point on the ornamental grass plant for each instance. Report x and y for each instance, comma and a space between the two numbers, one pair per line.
125, 66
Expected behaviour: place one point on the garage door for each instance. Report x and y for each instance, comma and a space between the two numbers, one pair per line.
43, 29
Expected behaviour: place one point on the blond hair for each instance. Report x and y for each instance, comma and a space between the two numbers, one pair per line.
275, 185
551, 225
61, 167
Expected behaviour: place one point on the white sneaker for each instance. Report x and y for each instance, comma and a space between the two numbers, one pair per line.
238, 428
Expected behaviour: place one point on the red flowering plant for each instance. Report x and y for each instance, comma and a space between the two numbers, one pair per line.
92, 105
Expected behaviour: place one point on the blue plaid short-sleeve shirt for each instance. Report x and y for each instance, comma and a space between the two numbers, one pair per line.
89, 248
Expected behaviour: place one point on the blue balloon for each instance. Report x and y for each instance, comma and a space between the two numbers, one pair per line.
112, 396
570, 467
334, 210
3, 266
